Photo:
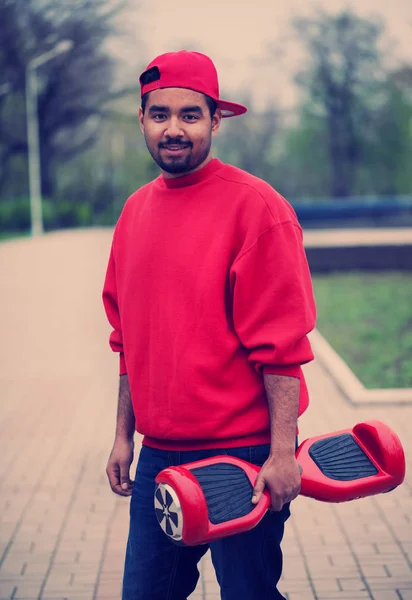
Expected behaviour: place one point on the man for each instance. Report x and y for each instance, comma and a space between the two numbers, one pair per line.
209, 295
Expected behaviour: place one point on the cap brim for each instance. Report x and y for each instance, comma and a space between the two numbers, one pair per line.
231, 109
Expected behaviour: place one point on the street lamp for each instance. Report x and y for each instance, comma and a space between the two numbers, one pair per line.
33, 134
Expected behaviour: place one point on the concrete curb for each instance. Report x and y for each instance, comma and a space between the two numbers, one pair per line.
328, 238
352, 388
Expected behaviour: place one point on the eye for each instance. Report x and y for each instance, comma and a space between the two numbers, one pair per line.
159, 117
191, 117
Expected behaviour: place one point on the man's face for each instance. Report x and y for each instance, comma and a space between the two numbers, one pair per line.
178, 129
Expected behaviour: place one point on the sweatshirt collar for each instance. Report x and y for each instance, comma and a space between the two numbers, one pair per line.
192, 178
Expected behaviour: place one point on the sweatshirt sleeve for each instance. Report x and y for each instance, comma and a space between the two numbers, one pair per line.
273, 302
111, 306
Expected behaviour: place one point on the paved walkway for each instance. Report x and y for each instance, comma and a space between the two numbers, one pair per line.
358, 237
62, 531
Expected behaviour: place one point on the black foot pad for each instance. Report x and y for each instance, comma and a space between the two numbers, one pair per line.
342, 458
227, 490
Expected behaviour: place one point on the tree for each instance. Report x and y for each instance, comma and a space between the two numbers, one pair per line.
73, 87
388, 155
249, 142
303, 165
343, 82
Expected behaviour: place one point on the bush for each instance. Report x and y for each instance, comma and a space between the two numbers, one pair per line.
61, 214
15, 214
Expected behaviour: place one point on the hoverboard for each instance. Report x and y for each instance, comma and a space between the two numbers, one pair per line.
209, 499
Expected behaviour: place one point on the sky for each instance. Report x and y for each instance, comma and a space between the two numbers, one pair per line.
239, 35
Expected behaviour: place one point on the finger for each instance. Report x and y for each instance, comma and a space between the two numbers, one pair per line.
117, 489
113, 474
125, 481
120, 492
276, 503
295, 494
258, 489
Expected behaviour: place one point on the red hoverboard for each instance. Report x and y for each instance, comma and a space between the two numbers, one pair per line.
209, 499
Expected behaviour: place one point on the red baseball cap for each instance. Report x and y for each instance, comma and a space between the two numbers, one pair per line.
191, 70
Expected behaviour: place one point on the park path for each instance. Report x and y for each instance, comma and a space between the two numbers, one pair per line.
62, 531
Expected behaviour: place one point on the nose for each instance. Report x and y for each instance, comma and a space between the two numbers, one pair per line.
173, 128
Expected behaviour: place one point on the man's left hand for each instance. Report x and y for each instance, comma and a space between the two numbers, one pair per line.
281, 475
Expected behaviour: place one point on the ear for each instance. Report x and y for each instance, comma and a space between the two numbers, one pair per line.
141, 116
216, 120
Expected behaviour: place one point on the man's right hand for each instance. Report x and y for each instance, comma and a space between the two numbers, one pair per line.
118, 467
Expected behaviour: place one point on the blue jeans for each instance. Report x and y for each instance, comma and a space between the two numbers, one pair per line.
248, 565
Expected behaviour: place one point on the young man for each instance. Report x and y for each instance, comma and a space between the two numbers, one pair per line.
210, 298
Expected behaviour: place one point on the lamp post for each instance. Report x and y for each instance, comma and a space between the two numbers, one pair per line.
33, 134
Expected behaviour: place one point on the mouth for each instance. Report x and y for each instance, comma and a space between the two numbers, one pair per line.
174, 148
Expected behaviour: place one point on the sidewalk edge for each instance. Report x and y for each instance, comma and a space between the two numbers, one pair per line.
352, 388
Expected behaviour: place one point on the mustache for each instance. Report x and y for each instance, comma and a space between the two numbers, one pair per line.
172, 142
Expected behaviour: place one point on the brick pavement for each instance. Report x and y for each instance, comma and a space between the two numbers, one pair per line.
62, 532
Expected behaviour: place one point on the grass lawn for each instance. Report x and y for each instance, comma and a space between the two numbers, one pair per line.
367, 318
11, 235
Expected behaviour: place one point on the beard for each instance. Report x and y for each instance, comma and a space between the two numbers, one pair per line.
179, 165
175, 164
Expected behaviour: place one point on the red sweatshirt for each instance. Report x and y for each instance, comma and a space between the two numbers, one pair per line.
207, 289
